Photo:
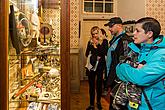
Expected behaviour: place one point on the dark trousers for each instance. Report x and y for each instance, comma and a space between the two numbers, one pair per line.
105, 79
95, 84
110, 104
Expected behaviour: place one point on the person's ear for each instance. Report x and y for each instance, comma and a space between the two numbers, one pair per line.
150, 34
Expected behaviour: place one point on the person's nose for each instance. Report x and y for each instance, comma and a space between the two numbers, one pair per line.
95, 35
109, 29
134, 33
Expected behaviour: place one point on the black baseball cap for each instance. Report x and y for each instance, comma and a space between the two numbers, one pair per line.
113, 21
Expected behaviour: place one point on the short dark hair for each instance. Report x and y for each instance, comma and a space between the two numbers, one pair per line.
150, 24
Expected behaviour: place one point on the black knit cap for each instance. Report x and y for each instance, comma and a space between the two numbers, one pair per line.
113, 21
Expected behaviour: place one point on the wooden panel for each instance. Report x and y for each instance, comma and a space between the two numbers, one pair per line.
4, 55
74, 71
65, 51
51, 4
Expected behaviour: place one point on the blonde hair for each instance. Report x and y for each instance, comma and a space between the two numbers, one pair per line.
94, 28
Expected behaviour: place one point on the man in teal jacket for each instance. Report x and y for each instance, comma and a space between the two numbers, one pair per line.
152, 74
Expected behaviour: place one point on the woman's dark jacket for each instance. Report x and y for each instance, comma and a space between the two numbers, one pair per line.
100, 51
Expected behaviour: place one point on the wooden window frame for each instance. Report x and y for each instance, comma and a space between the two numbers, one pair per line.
104, 2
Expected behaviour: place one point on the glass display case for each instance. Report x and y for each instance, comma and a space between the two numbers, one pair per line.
34, 59
37, 69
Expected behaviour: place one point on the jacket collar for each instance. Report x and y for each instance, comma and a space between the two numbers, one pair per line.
158, 43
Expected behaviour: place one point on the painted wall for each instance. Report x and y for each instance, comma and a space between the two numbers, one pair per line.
155, 8
131, 9
74, 23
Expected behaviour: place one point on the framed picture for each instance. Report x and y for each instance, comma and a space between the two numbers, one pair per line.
129, 27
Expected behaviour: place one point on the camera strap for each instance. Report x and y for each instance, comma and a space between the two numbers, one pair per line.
145, 96
146, 99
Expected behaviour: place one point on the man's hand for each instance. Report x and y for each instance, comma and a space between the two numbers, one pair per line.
140, 66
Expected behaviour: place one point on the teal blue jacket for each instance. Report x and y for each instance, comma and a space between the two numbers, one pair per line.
151, 75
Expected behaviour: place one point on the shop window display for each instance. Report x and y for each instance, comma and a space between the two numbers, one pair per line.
34, 60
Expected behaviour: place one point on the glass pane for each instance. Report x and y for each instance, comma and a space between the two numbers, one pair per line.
98, 7
108, 7
34, 56
88, 6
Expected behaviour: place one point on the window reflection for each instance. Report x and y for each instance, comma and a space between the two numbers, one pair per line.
98, 7
88, 7
109, 8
